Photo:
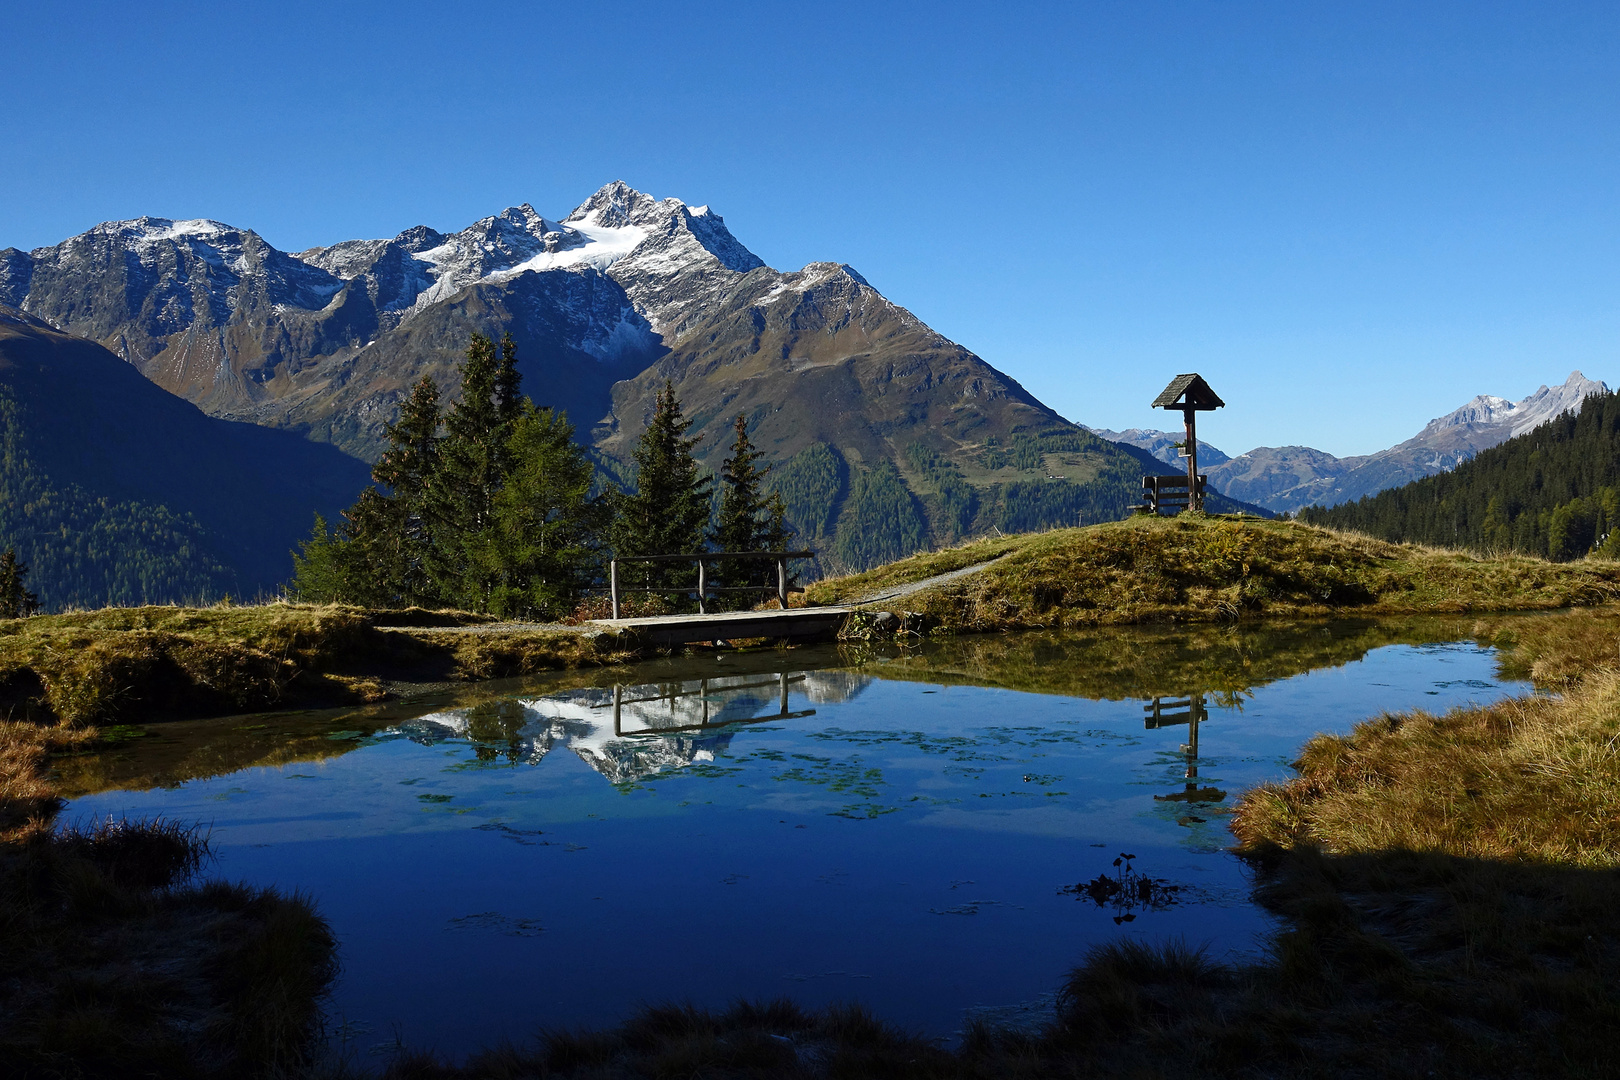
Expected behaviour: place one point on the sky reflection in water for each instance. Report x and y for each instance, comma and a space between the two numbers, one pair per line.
827, 834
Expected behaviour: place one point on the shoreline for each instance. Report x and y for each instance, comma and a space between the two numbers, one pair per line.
1362, 946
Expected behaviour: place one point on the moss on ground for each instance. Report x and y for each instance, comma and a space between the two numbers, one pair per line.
124, 665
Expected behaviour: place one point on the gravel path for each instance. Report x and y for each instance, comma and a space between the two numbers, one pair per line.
895, 592
485, 628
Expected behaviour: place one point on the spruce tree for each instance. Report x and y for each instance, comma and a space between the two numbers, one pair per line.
544, 547
776, 535
745, 522
16, 601
324, 570
668, 513
392, 533
473, 464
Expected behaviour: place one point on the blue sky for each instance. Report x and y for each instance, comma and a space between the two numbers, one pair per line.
1349, 217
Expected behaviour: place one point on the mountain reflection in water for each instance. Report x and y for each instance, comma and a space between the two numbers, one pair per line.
631, 732
926, 830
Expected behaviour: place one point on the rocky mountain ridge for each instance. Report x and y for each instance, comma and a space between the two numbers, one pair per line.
605, 303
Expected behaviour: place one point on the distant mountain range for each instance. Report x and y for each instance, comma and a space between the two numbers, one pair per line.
886, 436
1287, 478
1553, 490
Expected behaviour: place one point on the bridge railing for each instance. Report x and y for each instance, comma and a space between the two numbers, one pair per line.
704, 589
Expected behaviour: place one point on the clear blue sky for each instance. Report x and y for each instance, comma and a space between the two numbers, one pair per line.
1350, 217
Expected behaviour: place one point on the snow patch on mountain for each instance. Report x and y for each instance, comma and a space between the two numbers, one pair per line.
1517, 416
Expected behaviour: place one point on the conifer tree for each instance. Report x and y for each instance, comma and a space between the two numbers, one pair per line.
749, 520
379, 556
740, 498
391, 532
545, 544
473, 464
323, 567
16, 601
668, 513
776, 535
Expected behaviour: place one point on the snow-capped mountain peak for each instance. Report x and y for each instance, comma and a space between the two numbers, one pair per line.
618, 204
1517, 416
655, 248
1547, 403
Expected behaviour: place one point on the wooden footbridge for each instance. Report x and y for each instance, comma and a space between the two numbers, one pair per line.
664, 630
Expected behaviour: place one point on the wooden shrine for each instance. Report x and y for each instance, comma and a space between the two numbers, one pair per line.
1192, 395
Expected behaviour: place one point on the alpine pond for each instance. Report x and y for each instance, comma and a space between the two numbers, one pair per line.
938, 832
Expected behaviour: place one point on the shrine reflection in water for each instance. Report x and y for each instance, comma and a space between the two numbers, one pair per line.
915, 830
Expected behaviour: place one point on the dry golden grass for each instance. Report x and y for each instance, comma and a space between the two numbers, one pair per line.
1534, 778
26, 796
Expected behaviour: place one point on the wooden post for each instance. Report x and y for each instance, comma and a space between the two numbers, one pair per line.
703, 586
781, 581
613, 585
782, 681
1195, 713
1195, 500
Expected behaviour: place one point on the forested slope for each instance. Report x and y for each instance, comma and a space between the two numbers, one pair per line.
114, 491
859, 515
1553, 491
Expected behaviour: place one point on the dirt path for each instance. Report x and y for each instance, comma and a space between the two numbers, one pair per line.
896, 592
487, 628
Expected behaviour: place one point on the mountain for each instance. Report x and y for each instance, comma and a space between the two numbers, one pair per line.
886, 436
1551, 490
1164, 445
1286, 478
115, 491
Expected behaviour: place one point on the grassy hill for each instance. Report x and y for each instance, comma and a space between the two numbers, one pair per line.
1208, 569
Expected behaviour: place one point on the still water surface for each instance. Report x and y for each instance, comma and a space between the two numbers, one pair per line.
824, 824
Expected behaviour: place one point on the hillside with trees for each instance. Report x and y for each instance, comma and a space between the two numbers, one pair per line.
1553, 491
114, 491
491, 506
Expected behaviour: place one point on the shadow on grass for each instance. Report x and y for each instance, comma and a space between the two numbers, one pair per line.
113, 963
